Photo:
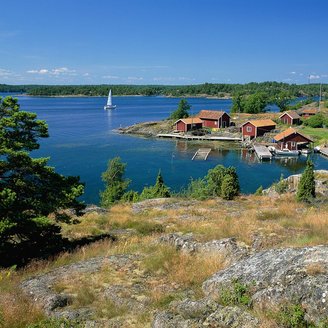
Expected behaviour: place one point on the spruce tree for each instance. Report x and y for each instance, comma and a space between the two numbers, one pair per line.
182, 110
306, 186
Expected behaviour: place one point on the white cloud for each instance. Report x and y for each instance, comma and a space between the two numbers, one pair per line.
314, 77
293, 73
5, 72
111, 77
53, 71
135, 78
86, 74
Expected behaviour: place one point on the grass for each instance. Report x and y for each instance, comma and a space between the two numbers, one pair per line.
165, 273
320, 135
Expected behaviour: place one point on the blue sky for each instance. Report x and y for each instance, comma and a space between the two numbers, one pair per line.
163, 41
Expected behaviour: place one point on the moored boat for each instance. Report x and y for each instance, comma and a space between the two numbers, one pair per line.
286, 152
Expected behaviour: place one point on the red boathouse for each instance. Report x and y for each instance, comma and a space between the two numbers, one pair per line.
291, 117
256, 128
291, 139
187, 124
214, 119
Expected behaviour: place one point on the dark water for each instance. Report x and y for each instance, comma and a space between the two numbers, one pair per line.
82, 141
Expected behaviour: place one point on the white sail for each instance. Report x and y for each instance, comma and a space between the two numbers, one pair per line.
109, 104
109, 100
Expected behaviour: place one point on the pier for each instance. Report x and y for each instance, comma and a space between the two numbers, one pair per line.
262, 152
202, 153
190, 137
324, 151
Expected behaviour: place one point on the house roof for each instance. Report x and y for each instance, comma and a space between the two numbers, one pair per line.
190, 120
291, 113
287, 133
260, 123
211, 114
309, 111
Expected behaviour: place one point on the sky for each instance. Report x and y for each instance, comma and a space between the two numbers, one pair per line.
163, 41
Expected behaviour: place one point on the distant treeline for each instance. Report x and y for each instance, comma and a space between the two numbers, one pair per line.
206, 89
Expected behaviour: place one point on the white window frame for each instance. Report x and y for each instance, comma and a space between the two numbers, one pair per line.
249, 129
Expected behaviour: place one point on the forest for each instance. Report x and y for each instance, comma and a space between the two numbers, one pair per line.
271, 89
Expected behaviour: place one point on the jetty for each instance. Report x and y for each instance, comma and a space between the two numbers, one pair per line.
202, 153
324, 151
262, 152
190, 137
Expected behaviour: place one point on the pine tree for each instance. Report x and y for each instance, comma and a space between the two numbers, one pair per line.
182, 110
115, 183
306, 186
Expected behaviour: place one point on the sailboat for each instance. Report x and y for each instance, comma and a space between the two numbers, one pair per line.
109, 104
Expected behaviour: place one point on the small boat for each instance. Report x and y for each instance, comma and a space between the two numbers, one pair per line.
286, 152
109, 104
306, 151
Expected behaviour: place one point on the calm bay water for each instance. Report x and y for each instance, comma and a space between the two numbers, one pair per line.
82, 141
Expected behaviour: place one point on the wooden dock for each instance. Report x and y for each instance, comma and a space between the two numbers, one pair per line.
190, 137
324, 151
262, 152
202, 153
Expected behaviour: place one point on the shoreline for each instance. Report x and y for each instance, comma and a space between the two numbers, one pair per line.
115, 96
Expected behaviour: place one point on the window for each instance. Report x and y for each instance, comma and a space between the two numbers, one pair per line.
248, 129
293, 143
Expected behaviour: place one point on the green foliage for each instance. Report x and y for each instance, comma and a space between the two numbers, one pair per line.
159, 190
306, 186
292, 316
197, 188
115, 183
236, 294
182, 110
281, 186
228, 188
130, 196
282, 100
316, 121
30, 190
215, 178
253, 103
211, 89
57, 323
259, 191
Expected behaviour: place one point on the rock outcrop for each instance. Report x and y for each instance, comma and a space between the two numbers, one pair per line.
292, 275
227, 248
321, 184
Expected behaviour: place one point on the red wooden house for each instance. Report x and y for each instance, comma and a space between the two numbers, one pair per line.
291, 117
187, 124
214, 118
306, 113
256, 128
291, 139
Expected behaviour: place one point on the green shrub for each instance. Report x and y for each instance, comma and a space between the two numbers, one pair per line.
130, 196
316, 121
281, 186
259, 191
159, 190
292, 316
57, 323
197, 188
228, 188
306, 186
237, 294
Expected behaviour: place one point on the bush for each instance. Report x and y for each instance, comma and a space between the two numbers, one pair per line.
281, 186
115, 184
237, 294
228, 189
259, 191
198, 189
316, 121
306, 186
159, 190
292, 316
